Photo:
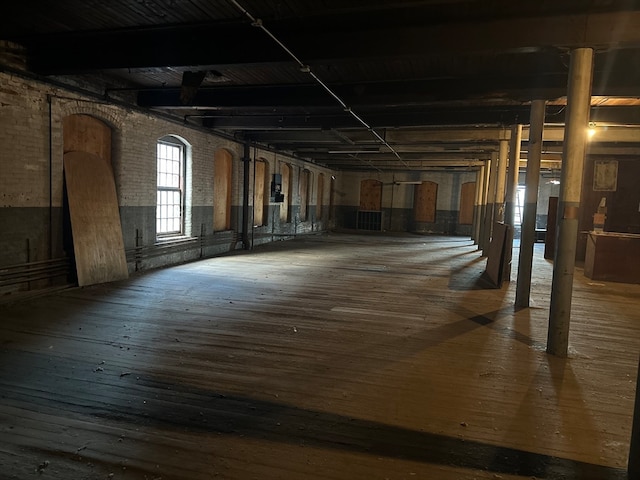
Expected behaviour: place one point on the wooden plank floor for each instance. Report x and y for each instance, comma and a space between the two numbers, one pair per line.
328, 357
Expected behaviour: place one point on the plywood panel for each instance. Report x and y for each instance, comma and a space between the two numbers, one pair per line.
371, 195
259, 211
222, 190
332, 190
84, 133
425, 199
95, 219
320, 196
286, 190
467, 198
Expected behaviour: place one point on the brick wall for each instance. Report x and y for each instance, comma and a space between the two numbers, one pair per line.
397, 200
31, 173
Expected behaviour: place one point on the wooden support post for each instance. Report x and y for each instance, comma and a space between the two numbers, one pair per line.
528, 229
511, 194
483, 207
503, 152
477, 206
512, 178
491, 201
577, 122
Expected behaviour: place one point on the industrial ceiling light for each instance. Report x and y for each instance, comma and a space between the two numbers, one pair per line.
592, 130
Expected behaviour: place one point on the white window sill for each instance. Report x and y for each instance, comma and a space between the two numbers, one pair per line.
173, 238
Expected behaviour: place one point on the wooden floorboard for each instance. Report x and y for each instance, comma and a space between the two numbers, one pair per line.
327, 357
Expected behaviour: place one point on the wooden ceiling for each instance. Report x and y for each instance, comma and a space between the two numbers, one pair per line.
426, 76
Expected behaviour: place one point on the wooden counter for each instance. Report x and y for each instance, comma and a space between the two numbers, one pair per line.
613, 256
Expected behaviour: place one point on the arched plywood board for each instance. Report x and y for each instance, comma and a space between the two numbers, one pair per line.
84, 133
320, 196
95, 219
371, 195
260, 198
286, 190
304, 194
467, 198
222, 165
332, 189
424, 206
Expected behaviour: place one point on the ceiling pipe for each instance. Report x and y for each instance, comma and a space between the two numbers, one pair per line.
257, 22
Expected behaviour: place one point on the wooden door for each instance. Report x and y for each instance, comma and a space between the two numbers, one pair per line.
371, 195
425, 199
467, 199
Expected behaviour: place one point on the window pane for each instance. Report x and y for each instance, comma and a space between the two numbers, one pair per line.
169, 194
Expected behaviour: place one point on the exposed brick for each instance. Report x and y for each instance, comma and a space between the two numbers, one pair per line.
26, 160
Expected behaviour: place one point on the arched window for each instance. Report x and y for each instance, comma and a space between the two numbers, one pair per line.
332, 190
320, 196
425, 201
467, 197
371, 195
370, 212
304, 194
171, 154
260, 194
286, 190
92, 226
222, 190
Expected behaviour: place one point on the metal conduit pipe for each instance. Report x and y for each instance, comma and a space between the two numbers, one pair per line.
257, 22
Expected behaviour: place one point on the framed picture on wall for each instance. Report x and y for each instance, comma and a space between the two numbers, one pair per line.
605, 175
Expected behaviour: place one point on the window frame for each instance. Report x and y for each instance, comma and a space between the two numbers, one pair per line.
172, 142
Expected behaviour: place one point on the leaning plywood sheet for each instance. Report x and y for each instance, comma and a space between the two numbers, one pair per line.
84, 133
95, 219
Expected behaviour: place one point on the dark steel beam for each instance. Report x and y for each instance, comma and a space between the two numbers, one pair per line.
233, 43
396, 117
408, 93
392, 117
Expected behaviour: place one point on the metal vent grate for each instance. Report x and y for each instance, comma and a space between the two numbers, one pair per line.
369, 220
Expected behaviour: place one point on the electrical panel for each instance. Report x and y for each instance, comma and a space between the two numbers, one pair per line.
276, 188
